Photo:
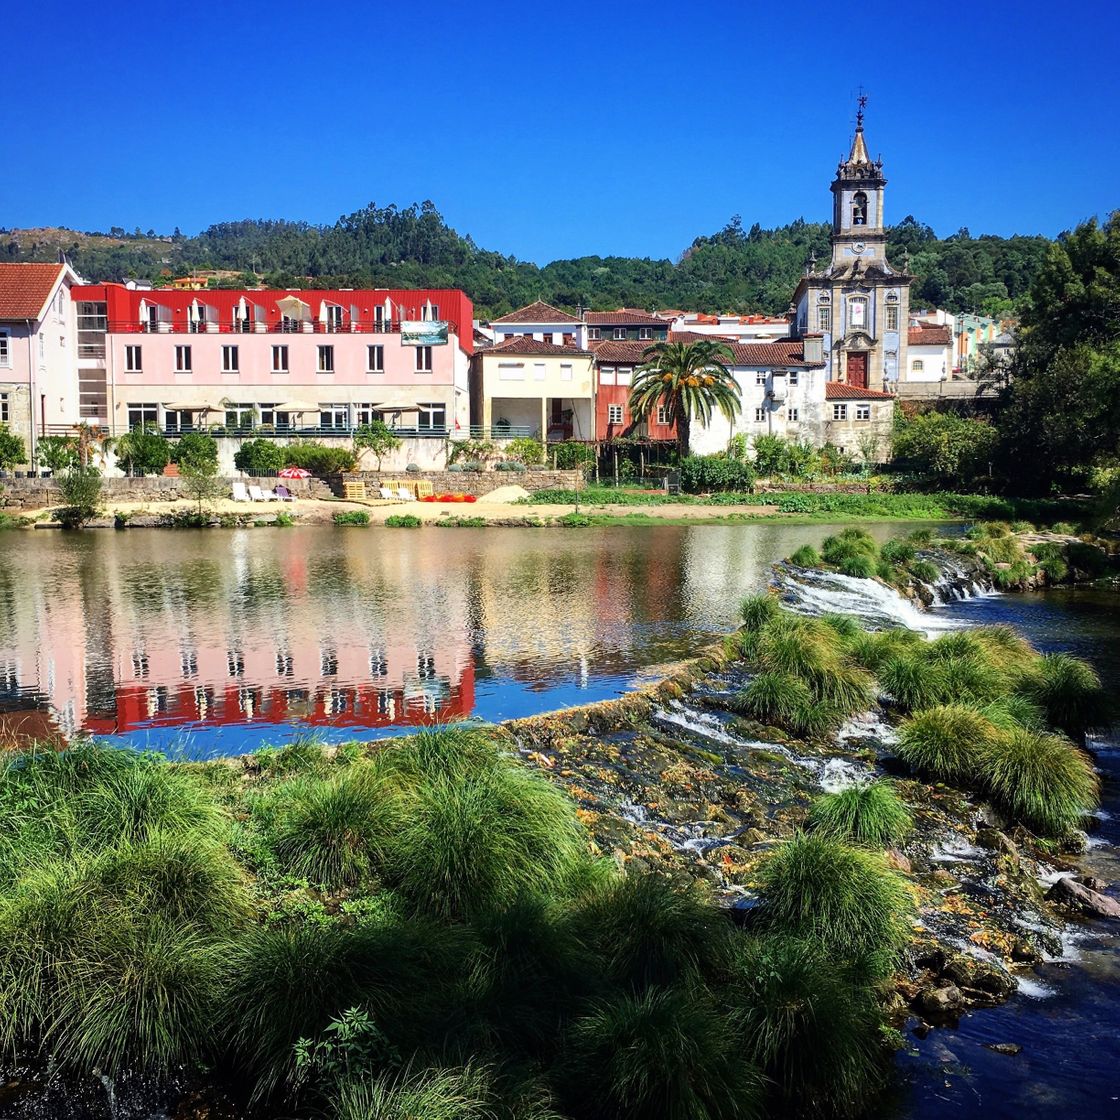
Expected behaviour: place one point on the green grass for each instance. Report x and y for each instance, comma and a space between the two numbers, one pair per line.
1069, 692
1040, 779
806, 557
438, 1093
352, 517
946, 742
757, 611
847, 899
872, 816
403, 521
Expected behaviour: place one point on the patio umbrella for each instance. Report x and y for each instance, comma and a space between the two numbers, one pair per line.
293, 472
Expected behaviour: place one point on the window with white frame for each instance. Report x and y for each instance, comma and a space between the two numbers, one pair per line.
423, 359
230, 359
759, 415
5, 409
863, 411
375, 359
5, 349
289, 325
240, 417
42, 345
839, 412
366, 413
892, 319
606, 375
625, 375
614, 414
334, 317
429, 313
793, 377
539, 371
182, 359
857, 311
593, 334
620, 333
271, 418
326, 359
432, 417
178, 420
824, 319
334, 416
792, 415
511, 371
549, 337
760, 377
141, 415
61, 306
566, 371
662, 414
133, 362
645, 334
280, 359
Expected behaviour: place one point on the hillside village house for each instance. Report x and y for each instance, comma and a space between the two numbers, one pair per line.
276, 362
38, 352
731, 328
930, 352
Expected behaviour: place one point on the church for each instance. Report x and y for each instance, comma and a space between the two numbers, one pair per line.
860, 304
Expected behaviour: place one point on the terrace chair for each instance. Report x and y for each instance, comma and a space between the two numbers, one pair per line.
405, 494
240, 493
424, 489
387, 494
256, 494
283, 494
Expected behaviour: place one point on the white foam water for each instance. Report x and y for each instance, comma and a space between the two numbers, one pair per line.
955, 849
1033, 988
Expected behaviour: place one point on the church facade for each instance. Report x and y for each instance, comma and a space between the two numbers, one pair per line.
860, 304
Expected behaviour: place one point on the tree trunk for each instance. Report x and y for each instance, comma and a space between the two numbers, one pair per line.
684, 425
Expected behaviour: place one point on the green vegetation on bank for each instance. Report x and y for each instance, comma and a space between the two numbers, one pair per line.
981, 710
421, 929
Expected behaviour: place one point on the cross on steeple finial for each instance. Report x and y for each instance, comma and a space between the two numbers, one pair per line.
862, 103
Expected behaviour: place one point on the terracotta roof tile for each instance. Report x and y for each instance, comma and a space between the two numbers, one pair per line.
780, 352
930, 336
25, 288
842, 391
539, 312
522, 344
627, 315
609, 351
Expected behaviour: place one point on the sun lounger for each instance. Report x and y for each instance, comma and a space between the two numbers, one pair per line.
388, 494
283, 494
240, 494
256, 494
406, 495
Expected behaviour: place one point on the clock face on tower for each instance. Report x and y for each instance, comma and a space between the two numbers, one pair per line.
858, 248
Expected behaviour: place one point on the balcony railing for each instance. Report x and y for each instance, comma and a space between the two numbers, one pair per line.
131, 326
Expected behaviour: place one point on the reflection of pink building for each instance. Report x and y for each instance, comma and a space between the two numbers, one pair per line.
275, 361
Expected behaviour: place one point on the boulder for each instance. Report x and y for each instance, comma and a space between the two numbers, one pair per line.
1069, 892
1010, 1048
898, 861
979, 981
940, 1002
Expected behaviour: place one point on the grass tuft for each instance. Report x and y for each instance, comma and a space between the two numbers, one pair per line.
872, 816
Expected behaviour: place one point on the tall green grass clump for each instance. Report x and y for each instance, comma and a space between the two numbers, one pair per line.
847, 899
1069, 692
438, 1093
757, 611
946, 742
806, 557
1041, 779
872, 816
810, 1025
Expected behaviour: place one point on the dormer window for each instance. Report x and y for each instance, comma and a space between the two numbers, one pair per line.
645, 334
620, 333
859, 209
593, 334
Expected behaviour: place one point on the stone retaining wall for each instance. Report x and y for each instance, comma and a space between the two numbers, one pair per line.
478, 483
38, 493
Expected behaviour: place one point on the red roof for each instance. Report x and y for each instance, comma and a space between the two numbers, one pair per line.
539, 312
780, 352
25, 289
624, 315
523, 344
842, 391
923, 335
610, 351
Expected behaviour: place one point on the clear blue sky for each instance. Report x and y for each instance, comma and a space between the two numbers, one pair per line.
556, 130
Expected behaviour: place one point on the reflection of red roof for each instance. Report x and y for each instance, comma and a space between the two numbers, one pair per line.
523, 344
842, 391
923, 335
539, 312
624, 315
25, 289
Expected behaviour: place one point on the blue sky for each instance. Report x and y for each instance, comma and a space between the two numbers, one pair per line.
556, 130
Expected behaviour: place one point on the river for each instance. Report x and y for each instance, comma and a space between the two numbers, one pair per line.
216, 642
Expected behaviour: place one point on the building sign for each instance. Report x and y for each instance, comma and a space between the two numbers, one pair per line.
424, 333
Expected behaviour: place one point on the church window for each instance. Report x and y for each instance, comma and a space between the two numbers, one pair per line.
824, 318
892, 318
857, 312
859, 209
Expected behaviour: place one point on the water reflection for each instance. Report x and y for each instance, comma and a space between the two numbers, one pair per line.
240, 636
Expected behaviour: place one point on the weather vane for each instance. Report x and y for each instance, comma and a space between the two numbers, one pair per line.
862, 102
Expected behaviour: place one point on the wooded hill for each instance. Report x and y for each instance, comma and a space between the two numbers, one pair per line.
735, 270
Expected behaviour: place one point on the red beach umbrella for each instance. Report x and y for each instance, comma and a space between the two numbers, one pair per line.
293, 472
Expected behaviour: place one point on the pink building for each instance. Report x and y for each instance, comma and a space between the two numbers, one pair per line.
275, 362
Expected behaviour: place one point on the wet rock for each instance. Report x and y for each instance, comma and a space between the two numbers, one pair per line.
1023, 952
1092, 882
1010, 1048
979, 981
939, 1003
1069, 892
898, 861
996, 841
930, 956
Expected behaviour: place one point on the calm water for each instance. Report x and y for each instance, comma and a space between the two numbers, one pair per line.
238, 636
1070, 1029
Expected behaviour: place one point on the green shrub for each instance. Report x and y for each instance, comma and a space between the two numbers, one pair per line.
704, 473
81, 491
925, 571
946, 742
660, 1053
920, 538
806, 557
1069, 692
897, 552
871, 816
810, 1025
353, 517
1041, 779
143, 450
859, 567
459, 1093
850, 542
13, 450
195, 449
260, 456
283, 520
1087, 558
318, 458
572, 456
526, 450
403, 521
757, 611
1008, 713
909, 679
774, 698
847, 899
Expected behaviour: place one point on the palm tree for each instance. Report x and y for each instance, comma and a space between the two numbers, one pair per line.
689, 380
